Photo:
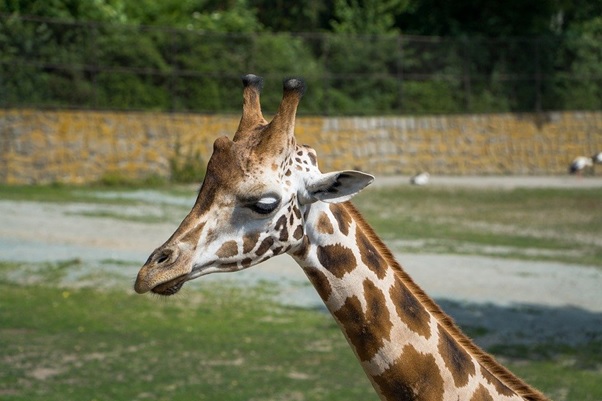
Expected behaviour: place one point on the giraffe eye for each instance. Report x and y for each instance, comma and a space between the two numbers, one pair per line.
265, 205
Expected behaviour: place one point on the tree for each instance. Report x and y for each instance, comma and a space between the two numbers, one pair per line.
366, 16
486, 18
294, 16
98, 10
205, 15
570, 14
582, 54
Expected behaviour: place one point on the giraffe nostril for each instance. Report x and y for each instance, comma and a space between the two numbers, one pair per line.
163, 256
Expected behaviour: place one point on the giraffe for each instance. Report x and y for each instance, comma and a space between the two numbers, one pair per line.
263, 195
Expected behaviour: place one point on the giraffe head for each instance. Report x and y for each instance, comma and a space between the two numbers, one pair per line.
253, 199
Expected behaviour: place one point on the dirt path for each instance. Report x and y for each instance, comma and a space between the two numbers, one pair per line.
522, 300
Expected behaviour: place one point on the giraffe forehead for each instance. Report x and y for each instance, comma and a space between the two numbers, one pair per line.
242, 169
284, 171
234, 168
225, 166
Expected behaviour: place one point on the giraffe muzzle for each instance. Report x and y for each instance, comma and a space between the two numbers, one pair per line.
164, 272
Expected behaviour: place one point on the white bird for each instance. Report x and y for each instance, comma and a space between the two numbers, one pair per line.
420, 179
580, 163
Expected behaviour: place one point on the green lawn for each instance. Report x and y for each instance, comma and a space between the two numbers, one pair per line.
218, 343
563, 225
209, 343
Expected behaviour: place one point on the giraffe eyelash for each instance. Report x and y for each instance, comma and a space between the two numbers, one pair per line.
265, 205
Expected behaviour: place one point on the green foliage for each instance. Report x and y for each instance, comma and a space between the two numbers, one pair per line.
120, 55
97, 10
293, 16
239, 17
204, 15
482, 18
422, 97
584, 50
367, 16
283, 55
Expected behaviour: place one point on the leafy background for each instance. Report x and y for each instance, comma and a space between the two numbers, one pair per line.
359, 56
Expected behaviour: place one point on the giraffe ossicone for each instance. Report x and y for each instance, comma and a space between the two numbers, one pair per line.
263, 195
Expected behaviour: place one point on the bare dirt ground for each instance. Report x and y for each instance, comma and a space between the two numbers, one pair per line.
514, 300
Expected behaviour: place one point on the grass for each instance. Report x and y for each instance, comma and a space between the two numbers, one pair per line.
544, 224
220, 342
560, 378
217, 342
59, 193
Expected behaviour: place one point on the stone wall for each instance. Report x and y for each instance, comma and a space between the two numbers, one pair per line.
85, 146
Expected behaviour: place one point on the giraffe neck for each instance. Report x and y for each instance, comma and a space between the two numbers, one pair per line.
407, 346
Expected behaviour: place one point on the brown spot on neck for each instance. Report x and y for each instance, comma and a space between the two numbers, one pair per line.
337, 259
366, 331
481, 394
429, 306
413, 377
324, 225
320, 282
410, 310
302, 250
342, 217
370, 255
457, 360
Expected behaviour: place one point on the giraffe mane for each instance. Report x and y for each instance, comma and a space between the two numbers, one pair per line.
485, 360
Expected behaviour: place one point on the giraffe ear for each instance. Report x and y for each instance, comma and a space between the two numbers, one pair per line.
338, 186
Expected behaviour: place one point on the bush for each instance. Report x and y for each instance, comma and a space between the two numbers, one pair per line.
117, 66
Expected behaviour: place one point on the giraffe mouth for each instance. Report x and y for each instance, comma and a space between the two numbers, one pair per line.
174, 285
170, 287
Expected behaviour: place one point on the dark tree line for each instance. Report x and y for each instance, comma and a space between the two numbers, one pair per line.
359, 56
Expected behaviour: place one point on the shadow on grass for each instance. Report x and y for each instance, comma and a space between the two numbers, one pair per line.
532, 332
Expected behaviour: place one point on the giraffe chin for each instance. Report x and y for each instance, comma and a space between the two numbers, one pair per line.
171, 287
